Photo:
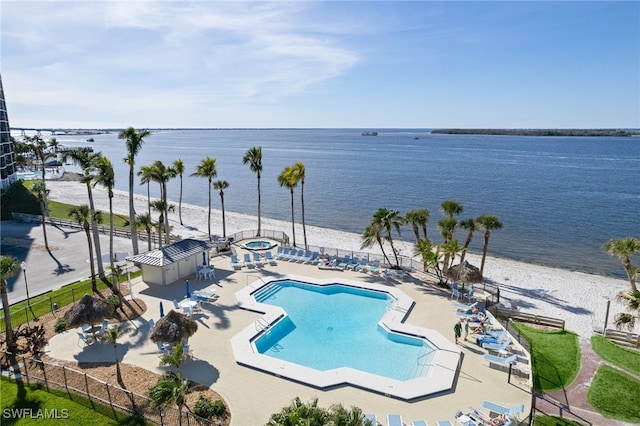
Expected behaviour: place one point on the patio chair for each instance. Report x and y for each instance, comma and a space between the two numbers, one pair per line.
105, 325
257, 259
152, 324
493, 359
164, 348
394, 419
176, 306
354, 262
497, 346
282, 254
298, 257
373, 268
345, 261
313, 258
247, 261
364, 263
270, 258
235, 264
278, 252
455, 293
469, 294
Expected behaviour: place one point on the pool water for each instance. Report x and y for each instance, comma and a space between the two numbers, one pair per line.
259, 245
336, 326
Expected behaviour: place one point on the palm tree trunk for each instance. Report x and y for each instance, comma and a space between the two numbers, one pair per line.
166, 213
384, 254
7, 317
424, 231
466, 246
416, 231
149, 238
487, 234
111, 229
44, 224
293, 223
304, 226
180, 202
96, 234
224, 225
94, 286
118, 373
209, 214
259, 213
132, 213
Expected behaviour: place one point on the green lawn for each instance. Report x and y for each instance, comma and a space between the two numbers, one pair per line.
625, 358
555, 356
553, 421
41, 408
615, 395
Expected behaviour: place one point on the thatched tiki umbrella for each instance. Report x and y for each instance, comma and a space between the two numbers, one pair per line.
173, 327
89, 310
465, 273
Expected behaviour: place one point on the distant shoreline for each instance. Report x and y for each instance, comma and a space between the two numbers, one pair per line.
538, 132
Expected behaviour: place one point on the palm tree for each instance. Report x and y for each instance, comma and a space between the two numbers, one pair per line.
300, 413
353, 416
286, 179
418, 218
431, 257
88, 162
145, 179
161, 207
450, 208
39, 149
372, 235
54, 145
207, 169
112, 335
9, 266
41, 193
624, 249
450, 250
145, 221
632, 300
178, 166
221, 185
162, 174
175, 358
253, 157
298, 171
471, 226
388, 221
488, 222
82, 216
170, 389
134, 141
106, 177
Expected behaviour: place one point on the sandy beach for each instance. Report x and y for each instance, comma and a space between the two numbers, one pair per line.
578, 298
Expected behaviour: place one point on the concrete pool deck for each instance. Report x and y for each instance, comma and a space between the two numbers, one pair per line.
253, 395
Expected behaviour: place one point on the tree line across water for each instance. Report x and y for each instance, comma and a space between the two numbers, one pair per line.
538, 132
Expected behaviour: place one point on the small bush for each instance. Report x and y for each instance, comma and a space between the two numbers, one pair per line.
115, 301
60, 325
206, 408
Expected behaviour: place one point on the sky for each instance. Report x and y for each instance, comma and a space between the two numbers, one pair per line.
334, 64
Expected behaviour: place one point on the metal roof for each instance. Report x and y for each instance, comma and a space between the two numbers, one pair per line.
172, 253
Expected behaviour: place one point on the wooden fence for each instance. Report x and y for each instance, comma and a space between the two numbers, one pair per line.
623, 338
72, 381
529, 318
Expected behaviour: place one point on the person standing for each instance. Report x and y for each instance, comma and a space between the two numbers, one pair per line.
457, 329
466, 329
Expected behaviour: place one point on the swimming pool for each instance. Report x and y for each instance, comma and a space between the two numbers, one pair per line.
335, 326
334, 332
259, 245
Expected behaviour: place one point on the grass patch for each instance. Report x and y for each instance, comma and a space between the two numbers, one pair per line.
625, 358
554, 421
615, 395
555, 356
41, 407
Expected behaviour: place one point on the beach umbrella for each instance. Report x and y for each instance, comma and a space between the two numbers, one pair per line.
204, 258
187, 290
161, 310
88, 310
173, 327
465, 273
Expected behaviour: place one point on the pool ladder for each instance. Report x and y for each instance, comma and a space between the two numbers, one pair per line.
421, 363
262, 324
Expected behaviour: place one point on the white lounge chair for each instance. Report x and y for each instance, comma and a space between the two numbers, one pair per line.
373, 268
270, 258
354, 262
463, 307
499, 409
204, 295
493, 359
394, 420
279, 251
498, 346
284, 254
313, 259
235, 264
257, 259
345, 261
364, 263
444, 423
247, 261
419, 423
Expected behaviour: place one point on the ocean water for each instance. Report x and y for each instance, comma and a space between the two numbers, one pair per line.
560, 198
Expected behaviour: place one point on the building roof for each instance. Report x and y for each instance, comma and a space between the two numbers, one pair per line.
172, 252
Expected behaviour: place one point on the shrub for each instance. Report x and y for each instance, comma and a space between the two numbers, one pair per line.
206, 408
60, 325
115, 301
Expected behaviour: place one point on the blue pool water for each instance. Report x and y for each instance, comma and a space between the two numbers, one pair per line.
336, 326
258, 245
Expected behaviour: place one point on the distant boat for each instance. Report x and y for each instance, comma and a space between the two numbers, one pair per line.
90, 140
369, 133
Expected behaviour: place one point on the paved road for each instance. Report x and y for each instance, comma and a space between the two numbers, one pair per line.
67, 260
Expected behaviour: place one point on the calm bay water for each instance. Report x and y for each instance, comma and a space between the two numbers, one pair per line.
559, 198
